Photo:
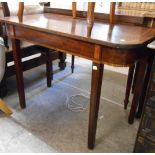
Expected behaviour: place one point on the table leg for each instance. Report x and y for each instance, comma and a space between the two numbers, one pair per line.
128, 86
19, 71
144, 92
96, 83
138, 88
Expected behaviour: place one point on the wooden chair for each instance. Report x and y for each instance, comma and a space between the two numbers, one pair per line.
90, 18
40, 54
27, 48
132, 79
143, 65
90, 15
91, 7
74, 16
3, 105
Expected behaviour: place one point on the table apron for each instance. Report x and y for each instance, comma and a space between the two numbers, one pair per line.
54, 41
95, 52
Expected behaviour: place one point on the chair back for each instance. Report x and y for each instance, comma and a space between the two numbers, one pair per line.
12, 9
90, 14
91, 8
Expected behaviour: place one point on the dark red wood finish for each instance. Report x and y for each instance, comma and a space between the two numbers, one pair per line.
119, 45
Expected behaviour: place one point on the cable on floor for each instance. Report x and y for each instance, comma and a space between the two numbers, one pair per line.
77, 103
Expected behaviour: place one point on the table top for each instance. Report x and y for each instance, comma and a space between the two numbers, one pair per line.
117, 35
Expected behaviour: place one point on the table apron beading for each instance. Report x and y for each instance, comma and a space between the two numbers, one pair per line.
95, 52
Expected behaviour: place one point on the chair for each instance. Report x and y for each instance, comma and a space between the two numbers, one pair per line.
91, 7
39, 55
90, 17
132, 79
3, 105
133, 71
74, 16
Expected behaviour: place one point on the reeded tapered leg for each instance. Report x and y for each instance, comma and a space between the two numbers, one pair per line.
128, 86
96, 83
143, 95
138, 88
72, 66
49, 68
19, 71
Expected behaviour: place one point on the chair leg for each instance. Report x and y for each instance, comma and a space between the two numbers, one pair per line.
5, 108
138, 88
3, 85
49, 68
72, 66
3, 88
62, 63
128, 86
144, 93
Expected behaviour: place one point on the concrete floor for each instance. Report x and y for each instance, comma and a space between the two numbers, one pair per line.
47, 125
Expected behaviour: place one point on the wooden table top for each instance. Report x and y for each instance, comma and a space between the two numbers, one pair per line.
117, 35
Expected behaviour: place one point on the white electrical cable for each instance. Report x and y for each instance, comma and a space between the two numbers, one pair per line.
72, 105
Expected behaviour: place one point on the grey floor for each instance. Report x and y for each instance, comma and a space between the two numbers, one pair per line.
48, 125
